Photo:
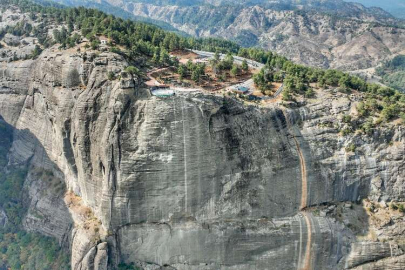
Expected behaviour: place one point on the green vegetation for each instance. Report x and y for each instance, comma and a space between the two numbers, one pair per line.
18, 249
393, 72
11, 185
191, 70
140, 39
234, 70
123, 266
245, 66
220, 66
36, 52
111, 76
395, 80
132, 70
397, 206
23, 250
381, 102
351, 148
265, 77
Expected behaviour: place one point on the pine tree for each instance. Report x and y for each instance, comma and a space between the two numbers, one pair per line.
245, 66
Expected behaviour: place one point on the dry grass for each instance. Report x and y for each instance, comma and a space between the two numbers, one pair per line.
85, 217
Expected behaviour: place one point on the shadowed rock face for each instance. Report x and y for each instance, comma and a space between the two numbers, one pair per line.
193, 181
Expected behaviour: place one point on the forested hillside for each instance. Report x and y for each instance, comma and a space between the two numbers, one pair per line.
324, 34
141, 39
20, 249
393, 72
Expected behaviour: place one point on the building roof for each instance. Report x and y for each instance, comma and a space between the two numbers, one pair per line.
240, 88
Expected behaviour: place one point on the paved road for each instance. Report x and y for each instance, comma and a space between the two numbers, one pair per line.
237, 59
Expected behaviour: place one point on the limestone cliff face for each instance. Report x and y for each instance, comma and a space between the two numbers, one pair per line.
195, 181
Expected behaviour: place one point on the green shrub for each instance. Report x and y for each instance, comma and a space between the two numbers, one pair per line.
115, 50
402, 116
390, 111
123, 266
111, 76
351, 148
362, 109
368, 127
347, 131
287, 96
346, 119
31, 250
132, 70
310, 93
393, 206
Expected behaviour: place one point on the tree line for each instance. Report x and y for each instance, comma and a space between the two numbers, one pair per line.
148, 40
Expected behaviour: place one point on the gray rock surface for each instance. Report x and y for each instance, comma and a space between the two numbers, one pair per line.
101, 258
364, 252
3, 218
95, 259
195, 181
47, 212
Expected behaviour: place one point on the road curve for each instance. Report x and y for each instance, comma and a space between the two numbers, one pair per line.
238, 59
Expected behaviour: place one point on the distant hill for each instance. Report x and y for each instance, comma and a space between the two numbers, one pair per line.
395, 7
321, 33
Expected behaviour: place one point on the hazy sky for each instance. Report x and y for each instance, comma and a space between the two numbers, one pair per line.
378, 2
395, 7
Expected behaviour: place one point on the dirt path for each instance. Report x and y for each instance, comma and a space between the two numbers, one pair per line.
306, 265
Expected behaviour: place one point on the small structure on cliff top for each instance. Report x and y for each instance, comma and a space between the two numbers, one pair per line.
240, 89
162, 92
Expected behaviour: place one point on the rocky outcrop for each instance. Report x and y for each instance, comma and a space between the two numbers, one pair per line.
47, 211
197, 181
3, 218
364, 252
96, 258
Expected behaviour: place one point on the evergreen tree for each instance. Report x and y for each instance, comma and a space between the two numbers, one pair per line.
182, 71
245, 66
234, 70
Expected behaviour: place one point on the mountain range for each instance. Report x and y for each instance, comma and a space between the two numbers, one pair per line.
327, 34
395, 7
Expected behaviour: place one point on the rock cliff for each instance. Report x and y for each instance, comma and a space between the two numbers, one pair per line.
197, 181
194, 181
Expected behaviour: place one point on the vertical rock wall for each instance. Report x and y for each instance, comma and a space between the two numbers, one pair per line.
192, 181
